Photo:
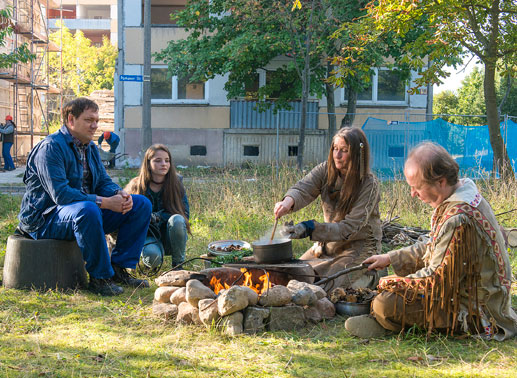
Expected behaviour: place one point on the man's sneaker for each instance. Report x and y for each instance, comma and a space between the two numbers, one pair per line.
123, 277
365, 327
104, 287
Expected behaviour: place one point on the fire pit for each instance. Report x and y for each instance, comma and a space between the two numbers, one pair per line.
245, 297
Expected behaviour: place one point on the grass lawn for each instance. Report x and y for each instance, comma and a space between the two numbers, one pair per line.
78, 334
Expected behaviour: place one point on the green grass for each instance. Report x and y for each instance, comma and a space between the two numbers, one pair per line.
78, 334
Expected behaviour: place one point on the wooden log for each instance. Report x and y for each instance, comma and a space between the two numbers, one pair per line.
43, 264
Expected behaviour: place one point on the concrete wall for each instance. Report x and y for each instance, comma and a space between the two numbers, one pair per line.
179, 142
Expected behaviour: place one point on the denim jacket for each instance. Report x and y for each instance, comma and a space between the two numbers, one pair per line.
53, 176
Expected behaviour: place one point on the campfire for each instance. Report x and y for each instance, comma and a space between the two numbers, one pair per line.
241, 300
259, 288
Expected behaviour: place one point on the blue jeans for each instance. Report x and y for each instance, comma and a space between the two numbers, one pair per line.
6, 154
113, 148
173, 243
85, 222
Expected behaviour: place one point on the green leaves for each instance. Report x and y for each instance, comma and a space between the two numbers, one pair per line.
18, 54
81, 67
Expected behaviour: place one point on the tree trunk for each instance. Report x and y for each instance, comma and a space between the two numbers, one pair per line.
351, 108
501, 160
303, 117
429, 98
331, 107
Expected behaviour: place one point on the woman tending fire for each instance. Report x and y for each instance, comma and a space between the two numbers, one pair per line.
350, 200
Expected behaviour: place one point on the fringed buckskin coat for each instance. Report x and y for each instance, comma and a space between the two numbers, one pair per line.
341, 243
466, 250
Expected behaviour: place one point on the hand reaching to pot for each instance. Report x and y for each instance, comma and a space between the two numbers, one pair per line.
298, 231
283, 207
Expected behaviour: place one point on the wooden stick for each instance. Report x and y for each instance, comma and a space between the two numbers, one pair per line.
341, 272
273, 233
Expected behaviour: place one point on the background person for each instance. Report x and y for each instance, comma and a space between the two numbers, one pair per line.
460, 280
7, 131
350, 201
160, 183
70, 196
113, 141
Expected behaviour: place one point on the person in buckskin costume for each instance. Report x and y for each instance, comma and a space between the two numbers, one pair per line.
350, 199
457, 281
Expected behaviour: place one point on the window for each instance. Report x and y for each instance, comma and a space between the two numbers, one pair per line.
169, 90
161, 85
396, 151
190, 91
387, 87
161, 11
251, 150
292, 150
197, 150
252, 85
390, 87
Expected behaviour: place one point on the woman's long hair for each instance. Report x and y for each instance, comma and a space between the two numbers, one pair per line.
357, 168
172, 190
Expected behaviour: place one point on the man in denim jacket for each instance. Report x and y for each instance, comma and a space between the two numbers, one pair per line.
70, 196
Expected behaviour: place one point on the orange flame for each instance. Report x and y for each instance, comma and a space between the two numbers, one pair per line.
216, 284
259, 288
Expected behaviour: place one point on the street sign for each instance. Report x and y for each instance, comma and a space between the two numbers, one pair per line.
131, 78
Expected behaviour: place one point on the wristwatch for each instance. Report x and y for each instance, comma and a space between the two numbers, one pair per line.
98, 201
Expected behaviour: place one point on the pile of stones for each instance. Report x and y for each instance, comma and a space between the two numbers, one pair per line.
182, 297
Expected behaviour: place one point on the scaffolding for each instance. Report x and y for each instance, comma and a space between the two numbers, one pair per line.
29, 82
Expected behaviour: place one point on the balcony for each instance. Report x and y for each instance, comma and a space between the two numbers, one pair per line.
83, 24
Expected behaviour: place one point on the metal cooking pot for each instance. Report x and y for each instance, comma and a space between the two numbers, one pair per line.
276, 251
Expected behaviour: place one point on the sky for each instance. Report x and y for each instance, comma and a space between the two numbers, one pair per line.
453, 82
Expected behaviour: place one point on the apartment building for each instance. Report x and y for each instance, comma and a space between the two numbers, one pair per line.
202, 126
95, 18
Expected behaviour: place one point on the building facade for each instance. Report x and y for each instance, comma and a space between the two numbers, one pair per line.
202, 126
95, 18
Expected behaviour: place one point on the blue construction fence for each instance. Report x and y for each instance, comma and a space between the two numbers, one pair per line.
390, 143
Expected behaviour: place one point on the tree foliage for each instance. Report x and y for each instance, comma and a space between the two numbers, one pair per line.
7, 28
470, 99
485, 28
81, 68
238, 37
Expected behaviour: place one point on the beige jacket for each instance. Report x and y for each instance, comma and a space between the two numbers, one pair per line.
346, 242
422, 259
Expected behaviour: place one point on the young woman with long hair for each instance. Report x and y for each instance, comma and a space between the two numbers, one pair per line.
159, 181
350, 197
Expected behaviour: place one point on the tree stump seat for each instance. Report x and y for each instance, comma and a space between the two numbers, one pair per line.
43, 264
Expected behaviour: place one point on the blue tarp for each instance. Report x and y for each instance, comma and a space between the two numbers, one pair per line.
469, 145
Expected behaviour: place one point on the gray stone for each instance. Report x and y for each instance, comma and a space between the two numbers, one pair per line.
232, 324
208, 311
312, 314
232, 300
253, 297
295, 286
188, 314
197, 291
326, 308
179, 296
304, 297
275, 297
255, 319
287, 318
365, 327
177, 278
165, 310
163, 293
